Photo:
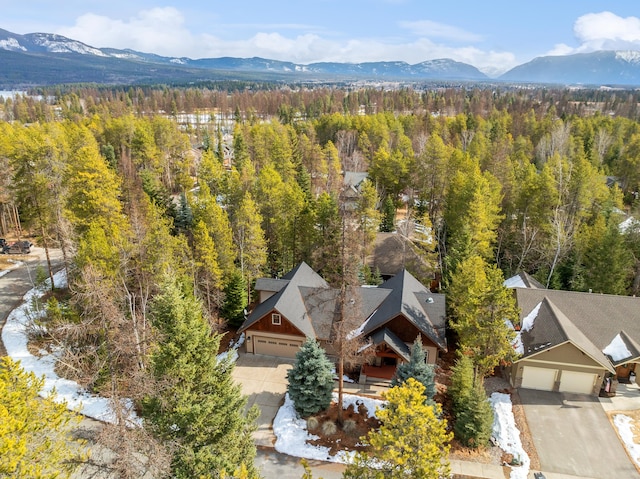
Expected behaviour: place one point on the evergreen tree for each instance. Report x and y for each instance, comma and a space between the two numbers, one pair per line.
35, 432
388, 223
310, 379
480, 304
462, 380
418, 369
472, 411
197, 403
412, 441
184, 215
474, 420
235, 299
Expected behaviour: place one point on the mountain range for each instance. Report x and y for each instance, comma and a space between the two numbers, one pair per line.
38, 59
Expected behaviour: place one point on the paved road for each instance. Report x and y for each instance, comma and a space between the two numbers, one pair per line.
573, 435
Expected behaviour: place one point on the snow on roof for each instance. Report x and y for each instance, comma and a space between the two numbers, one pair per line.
617, 349
529, 319
514, 282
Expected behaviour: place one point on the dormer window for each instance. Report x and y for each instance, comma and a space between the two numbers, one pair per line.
276, 319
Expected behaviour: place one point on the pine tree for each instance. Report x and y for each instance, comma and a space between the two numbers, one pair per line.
310, 379
474, 420
388, 223
418, 369
35, 432
197, 404
412, 441
235, 299
461, 380
472, 411
480, 304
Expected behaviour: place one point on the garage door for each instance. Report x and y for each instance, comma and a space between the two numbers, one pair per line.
285, 348
538, 378
573, 382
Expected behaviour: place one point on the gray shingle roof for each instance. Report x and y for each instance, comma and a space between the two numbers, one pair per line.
523, 280
394, 342
307, 301
289, 301
590, 321
270, 284
425, 310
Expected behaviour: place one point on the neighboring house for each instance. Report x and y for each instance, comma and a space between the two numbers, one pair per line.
351, 187
301, 304
393, 252
572, 341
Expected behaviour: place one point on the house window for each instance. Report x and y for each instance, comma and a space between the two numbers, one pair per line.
276, 319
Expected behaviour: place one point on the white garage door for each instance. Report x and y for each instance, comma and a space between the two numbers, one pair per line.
538, 378
573, 382
285, 348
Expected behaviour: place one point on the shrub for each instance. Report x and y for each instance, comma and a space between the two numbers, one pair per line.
312, 423
329, 428
349, 426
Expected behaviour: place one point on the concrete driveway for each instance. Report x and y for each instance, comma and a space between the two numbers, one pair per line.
264, 380
574, 436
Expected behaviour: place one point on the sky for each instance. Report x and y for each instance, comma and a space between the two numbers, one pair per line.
494, 36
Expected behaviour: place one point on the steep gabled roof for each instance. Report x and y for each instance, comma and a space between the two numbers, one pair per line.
590, 321
408, 297
523, 280
289, 300
270, 284
386, 336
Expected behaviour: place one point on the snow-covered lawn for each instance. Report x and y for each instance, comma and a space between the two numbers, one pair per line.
507, 435
625, 426
14, 336
292, 435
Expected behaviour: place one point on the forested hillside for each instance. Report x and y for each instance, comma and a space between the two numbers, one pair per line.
152, 213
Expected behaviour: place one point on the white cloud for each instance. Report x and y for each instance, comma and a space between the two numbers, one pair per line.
602, 31
429, 29
158, 30
163, 31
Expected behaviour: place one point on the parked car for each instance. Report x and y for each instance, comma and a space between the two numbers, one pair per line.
18, 247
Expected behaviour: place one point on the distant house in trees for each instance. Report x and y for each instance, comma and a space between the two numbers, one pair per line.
573, 341
351, 187
302, 304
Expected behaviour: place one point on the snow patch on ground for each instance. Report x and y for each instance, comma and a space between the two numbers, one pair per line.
624, 425
14, 336
292, 435
507, 435
232, 351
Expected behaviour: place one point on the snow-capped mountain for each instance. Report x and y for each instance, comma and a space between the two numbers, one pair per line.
597, 68
45, 58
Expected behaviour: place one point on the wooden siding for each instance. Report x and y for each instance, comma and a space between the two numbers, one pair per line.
285, 327
407, 332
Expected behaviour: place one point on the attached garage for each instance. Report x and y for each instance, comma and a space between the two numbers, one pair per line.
576, 382
270, 346
539, 378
